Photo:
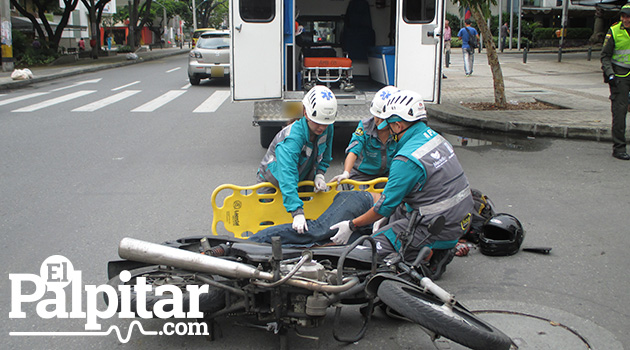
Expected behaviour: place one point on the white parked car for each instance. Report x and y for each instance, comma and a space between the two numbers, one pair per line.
210, 58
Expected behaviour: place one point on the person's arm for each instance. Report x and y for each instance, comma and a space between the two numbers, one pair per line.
606, 55
348, 164
287, 155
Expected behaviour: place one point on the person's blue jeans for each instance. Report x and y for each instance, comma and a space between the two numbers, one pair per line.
469, 60
346, 206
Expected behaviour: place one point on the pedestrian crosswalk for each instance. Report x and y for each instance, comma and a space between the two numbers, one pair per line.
54, 101
113, 98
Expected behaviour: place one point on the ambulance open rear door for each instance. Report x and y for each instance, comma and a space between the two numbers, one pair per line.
418, 49
256, 52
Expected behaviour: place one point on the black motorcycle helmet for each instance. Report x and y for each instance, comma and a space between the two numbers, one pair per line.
502, 234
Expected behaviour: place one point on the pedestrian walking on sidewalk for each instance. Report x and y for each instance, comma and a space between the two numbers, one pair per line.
447, 45
504, 35
469, 37
615, 58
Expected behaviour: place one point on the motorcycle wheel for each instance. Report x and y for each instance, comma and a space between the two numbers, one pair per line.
425, 309
156, 276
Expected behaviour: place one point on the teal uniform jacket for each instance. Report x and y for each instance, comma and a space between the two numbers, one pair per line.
292, 157
373, 157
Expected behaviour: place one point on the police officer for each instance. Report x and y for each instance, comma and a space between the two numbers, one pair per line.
425, 175
302, 151
615, 58
370, 150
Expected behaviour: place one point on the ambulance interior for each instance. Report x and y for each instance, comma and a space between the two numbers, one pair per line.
349, 38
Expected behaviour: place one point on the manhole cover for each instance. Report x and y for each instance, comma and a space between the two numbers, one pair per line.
528, 332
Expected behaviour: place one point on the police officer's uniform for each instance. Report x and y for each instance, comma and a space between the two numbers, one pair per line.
615, 58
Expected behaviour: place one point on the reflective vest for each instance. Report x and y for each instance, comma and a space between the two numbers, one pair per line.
621, 55
446, 190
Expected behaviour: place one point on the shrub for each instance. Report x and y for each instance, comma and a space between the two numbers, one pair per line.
125, 49
544, 33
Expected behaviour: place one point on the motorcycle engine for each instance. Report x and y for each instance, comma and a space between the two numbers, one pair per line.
311, 270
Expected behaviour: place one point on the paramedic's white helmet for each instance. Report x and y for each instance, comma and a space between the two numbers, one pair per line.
404, 105
320, 105
378, 102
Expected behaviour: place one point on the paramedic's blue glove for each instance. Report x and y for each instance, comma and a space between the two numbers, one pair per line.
345, 230
299, 223
320, 183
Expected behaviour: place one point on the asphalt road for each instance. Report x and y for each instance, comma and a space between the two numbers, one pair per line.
75, 182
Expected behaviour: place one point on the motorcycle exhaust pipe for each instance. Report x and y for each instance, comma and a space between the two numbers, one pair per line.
151, 253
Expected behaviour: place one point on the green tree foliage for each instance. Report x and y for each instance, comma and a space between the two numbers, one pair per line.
45, 32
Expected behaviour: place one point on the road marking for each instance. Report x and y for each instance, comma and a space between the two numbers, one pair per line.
159, 101
106, 101
127, 85
213, 102
20, 98
186, 86
93, 81
174, 69
55, 101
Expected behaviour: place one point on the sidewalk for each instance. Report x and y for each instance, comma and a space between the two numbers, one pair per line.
575, 85
84, 65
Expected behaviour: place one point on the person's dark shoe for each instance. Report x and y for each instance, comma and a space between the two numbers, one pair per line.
444, 76
621, 155
438, 262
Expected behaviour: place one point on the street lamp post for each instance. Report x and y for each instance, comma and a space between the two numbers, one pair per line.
194, 15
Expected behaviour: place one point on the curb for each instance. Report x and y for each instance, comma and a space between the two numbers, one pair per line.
452, 114
16, 84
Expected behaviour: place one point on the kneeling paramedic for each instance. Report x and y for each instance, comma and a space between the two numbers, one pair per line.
425, 175
302, 151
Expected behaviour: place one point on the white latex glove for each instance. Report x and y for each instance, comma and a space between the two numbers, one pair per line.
378, 223
299, 223
340, 177
320, 183
343, 235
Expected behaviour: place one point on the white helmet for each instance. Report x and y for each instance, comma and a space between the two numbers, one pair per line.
378, 102
321, 105
406, 105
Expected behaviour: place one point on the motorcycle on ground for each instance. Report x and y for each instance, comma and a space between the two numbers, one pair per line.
293, 288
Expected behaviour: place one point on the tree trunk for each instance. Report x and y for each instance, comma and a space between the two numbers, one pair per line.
493, 59
599, 28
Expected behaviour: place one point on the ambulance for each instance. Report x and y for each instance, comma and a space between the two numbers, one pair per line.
281, 48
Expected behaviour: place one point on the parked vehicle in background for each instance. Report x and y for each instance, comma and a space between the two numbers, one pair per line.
197, 33
211, 57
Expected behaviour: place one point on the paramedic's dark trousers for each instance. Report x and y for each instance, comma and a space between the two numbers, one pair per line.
619, 99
